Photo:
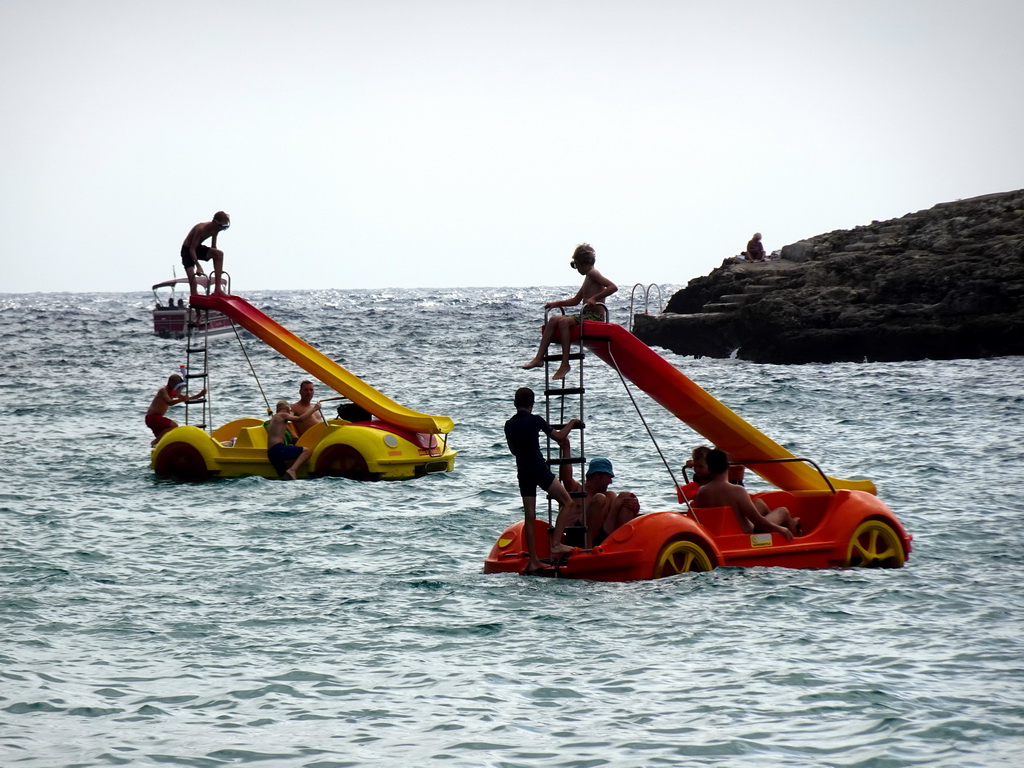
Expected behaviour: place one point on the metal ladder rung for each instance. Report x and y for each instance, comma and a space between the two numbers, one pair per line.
558, 406
198, 346
571, 460
564, 391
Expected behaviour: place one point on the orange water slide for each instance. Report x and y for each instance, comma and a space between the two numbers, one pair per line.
320, 366
673, 390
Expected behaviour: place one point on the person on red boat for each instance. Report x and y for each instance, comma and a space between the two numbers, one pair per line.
605, 510
167, 396
522, 433
193, 251
595, 288
719, 492
698, 462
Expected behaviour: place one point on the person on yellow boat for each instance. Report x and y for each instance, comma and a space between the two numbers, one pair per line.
605, 510
522, 433
193, 251
278, 451
719, 492
166, 396
309, 413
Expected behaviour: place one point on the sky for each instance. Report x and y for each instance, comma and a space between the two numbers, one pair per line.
459, 143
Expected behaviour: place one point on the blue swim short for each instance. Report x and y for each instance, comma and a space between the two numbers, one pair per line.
281, 456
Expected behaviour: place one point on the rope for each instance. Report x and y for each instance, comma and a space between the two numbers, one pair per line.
615, 365
234, 327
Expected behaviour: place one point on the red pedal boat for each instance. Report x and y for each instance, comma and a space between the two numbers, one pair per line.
844, 523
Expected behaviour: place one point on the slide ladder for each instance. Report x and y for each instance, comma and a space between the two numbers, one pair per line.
197, 364
322, 367
563, 401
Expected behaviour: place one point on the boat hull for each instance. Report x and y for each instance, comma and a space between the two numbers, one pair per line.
361, 451
173, 324
845, 529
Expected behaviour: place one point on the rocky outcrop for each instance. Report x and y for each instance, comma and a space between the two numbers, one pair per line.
943, 283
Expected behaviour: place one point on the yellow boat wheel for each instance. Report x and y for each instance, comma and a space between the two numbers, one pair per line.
181, 461
681, 556
342, 461
875, 545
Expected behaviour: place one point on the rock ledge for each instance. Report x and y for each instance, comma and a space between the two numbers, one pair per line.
943, 283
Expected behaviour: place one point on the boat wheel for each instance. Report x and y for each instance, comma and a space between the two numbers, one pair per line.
182, 462
342, 461
875, 545
681, 556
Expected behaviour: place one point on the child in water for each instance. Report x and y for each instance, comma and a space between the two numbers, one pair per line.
595, 288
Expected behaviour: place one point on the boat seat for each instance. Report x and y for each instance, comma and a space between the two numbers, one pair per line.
252, 437
719, 521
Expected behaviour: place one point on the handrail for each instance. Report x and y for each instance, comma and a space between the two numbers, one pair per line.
691, 509
647, 300
782, 461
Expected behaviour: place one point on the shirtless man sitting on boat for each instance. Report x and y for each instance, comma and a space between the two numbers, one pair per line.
606, 510
167, 396
278, 450
719, 492
309, 413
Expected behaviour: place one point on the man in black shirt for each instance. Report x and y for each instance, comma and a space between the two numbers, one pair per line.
522, 433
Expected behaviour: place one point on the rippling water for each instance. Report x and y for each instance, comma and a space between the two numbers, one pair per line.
332, 623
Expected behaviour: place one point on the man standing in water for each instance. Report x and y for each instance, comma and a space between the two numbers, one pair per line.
193, 251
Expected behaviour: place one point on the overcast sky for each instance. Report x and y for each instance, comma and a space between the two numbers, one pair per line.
381, 143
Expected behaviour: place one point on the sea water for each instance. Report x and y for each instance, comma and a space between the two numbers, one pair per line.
335, 623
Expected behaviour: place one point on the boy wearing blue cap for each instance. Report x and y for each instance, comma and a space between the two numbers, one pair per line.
606, 510
522, 433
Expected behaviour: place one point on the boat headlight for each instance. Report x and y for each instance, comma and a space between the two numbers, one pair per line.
390, 441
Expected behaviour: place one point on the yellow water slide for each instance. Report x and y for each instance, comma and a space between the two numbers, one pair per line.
320, 366
703, 413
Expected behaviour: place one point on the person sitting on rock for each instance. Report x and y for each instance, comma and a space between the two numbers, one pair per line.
755, 248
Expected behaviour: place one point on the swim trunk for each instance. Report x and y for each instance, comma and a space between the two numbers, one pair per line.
534, 476
202, 253
282, 455
158, 423
589, 314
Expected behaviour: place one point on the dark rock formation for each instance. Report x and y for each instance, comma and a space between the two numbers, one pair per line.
943, 283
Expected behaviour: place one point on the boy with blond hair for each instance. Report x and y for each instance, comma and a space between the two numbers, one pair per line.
595, 288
